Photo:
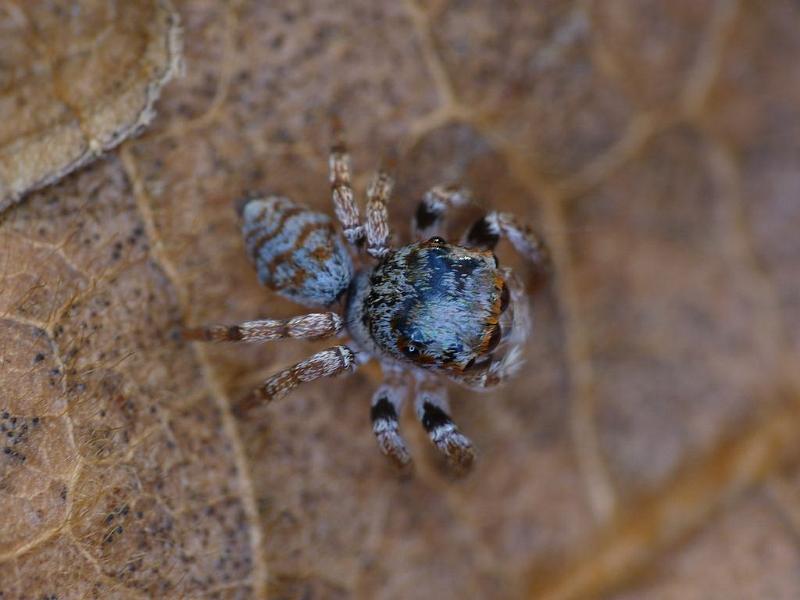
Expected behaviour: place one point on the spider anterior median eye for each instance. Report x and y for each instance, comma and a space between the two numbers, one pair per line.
437, 240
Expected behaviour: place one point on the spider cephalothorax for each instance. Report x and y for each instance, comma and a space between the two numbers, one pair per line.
416, 292
424, 310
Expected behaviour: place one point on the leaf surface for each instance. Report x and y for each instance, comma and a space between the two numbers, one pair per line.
646, 450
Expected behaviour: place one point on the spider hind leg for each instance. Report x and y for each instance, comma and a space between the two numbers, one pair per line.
313, 326
326, 363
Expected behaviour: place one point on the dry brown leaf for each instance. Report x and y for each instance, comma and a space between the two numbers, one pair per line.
76, 79
649, 449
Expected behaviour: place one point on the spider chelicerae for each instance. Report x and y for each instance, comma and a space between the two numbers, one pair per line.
426, 311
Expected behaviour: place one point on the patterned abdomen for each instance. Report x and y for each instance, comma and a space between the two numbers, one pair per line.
296, 251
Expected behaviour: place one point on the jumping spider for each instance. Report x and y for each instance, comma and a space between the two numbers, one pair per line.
425, 310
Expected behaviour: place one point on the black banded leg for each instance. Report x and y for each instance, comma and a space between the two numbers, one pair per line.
326, 363
429, 217
484, 234
487, 231
311, 327
433, 412
387, 404
344, 202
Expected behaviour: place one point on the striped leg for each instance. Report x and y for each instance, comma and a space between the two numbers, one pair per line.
377, 215
486, 232
311, 327
326, 363
387, 404
433, 412
435, 203
344, 202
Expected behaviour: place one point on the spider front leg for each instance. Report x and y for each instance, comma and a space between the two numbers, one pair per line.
344, 202
486, 232
312, 326
327, 363
432, 409
387, 404
434, 205
378, 195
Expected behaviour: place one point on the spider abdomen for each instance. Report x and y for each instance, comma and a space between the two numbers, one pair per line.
296, 251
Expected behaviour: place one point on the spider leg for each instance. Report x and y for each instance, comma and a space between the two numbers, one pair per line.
344, 202
435, 203
326, 363
312, 326
432, 409
486, 232
387, 404
377, 227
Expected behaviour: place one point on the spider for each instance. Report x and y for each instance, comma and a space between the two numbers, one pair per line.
426, 311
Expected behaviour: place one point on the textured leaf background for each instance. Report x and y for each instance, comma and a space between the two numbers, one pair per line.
648, 451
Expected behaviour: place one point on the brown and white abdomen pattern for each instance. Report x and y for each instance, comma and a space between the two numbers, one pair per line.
297, 252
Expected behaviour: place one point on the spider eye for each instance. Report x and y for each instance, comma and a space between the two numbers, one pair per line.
411, 351
439, 241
